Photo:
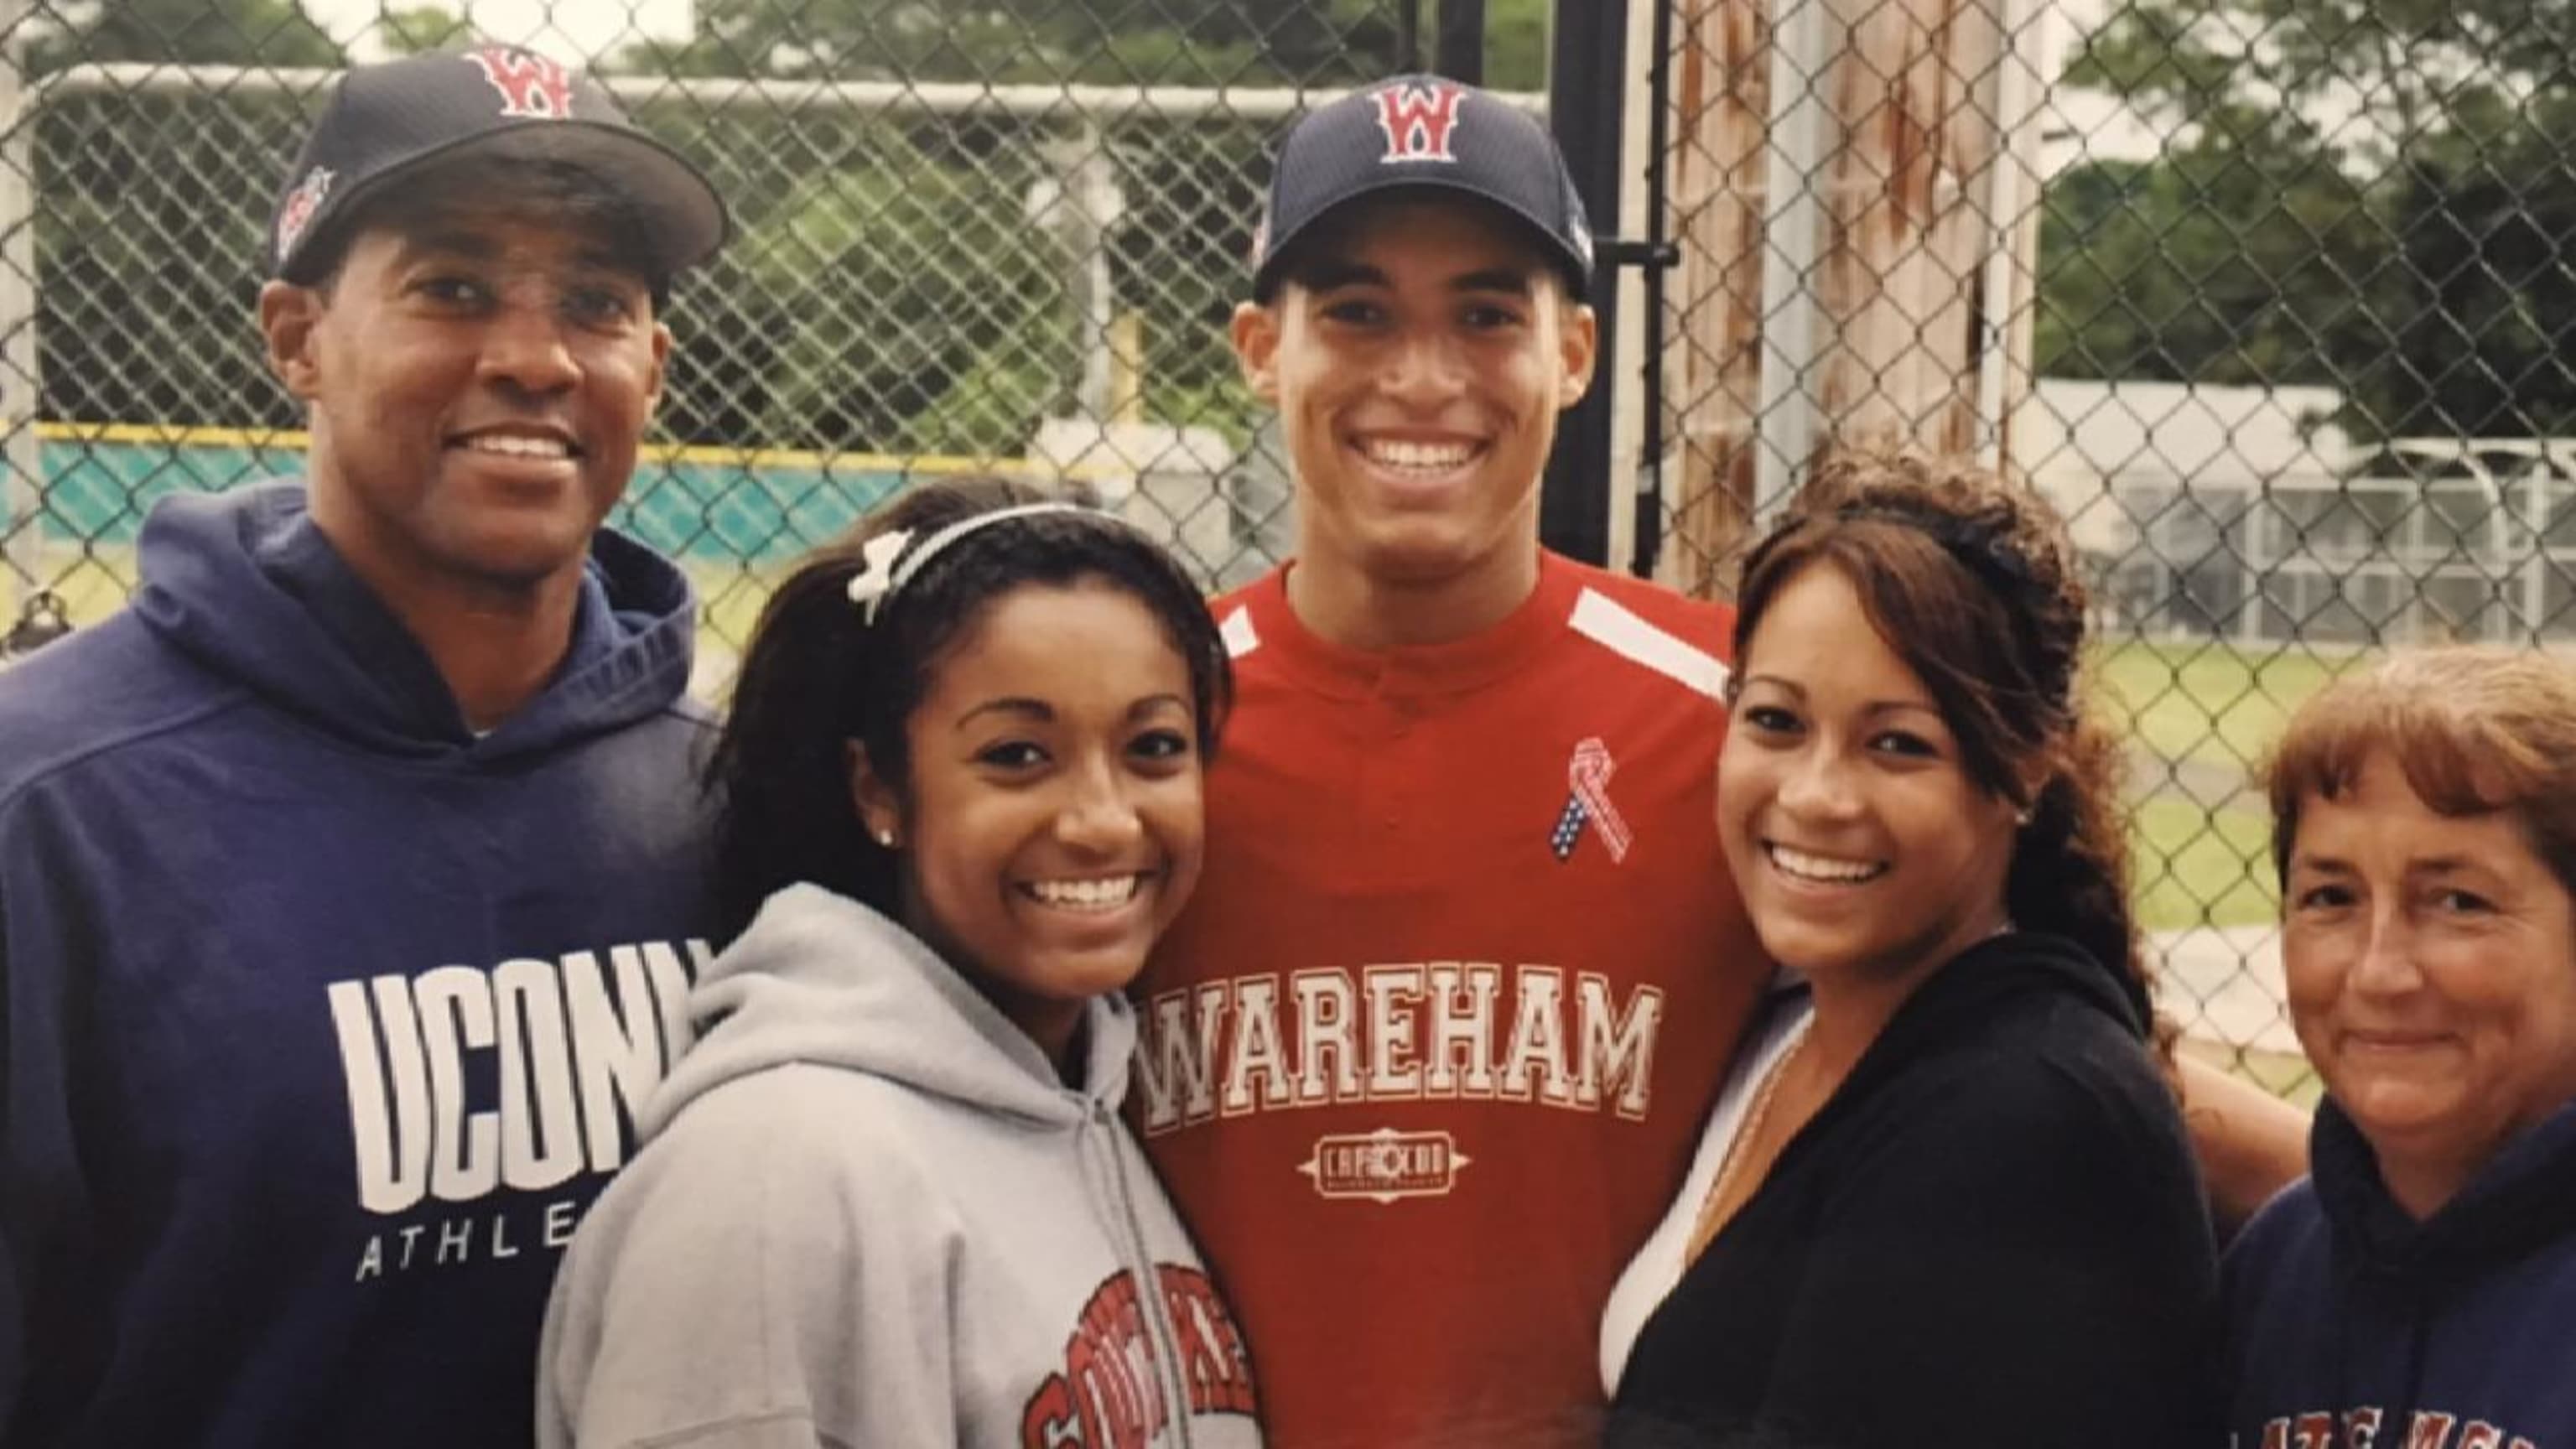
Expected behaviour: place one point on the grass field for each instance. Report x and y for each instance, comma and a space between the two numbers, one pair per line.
2196, 866
2207, 702
2201, 714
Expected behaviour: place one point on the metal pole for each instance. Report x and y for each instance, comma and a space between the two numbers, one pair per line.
2021, 85
1649, 535
2536, 490
1461, 53
1630, 465
1586, 68
21, 390
2499, 621
1408, 35
1089, 202
1785, 419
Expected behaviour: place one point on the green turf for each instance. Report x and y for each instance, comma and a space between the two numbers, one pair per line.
730, 597
2208, 702
2195, 866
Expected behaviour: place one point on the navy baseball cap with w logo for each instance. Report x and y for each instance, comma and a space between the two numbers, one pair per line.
386, 121
1421, 132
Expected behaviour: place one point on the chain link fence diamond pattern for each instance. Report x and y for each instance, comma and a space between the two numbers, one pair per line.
2267, 294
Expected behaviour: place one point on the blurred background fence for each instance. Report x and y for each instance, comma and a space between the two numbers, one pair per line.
2267, 294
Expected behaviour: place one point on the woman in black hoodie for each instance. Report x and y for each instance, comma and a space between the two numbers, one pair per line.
1950, 1199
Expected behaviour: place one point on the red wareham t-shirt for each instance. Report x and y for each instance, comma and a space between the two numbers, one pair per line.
1426, 1058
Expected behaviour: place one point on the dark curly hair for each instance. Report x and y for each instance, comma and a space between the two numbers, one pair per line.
817, 676
1972, 582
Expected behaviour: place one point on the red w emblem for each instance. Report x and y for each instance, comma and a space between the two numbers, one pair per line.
1418, 121
530, 85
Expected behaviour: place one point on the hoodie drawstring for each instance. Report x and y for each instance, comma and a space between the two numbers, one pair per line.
1102, 1127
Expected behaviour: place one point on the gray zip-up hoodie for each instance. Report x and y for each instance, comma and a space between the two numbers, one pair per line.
869, 1213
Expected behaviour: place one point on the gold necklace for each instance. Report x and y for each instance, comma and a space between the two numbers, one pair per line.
1756, 1116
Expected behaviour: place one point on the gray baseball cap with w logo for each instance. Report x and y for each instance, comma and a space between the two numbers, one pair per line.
1421, 132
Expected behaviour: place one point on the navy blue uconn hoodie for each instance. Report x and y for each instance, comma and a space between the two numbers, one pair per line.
2352, 1326
323, 1018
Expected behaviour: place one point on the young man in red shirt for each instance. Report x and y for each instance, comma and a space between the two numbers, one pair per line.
1427, 1055
1426, 1058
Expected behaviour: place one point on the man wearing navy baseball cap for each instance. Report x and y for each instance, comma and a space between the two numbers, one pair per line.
1427, 1054
349, 886
1426, 1059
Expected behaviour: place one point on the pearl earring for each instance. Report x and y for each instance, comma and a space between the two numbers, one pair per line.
886, 839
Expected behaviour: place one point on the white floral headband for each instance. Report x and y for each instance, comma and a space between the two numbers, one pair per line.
885, 567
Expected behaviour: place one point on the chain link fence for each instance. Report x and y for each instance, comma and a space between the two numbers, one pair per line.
2266, 295
988, 237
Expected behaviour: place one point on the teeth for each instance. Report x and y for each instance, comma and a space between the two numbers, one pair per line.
1420, 457
1822, 867
516, 445
1085, 895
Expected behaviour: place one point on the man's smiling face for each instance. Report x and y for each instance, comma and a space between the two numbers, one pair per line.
1418, 353
479, 386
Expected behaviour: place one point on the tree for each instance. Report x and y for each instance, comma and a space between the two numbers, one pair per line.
2480, 340
1516, 40
130, 183
896, 294
2364, 83
425, 30
1164, 42
206, 32
885, 290
2369, 193
919, 208
2212, 264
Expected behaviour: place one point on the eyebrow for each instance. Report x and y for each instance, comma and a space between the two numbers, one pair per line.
1044, 713
471, 245
474, 246
1330, 275
1875, 706
2433, 866
1036, 709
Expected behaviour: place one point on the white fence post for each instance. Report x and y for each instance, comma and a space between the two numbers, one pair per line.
21, 389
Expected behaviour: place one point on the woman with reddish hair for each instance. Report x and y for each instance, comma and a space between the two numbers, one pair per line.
2420, 1287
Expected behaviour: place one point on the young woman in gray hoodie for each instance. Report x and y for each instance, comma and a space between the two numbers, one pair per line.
887, 1199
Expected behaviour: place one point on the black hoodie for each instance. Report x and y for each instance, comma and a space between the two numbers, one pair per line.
1993, 1234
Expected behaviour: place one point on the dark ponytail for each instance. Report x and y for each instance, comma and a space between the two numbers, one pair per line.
780, 775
